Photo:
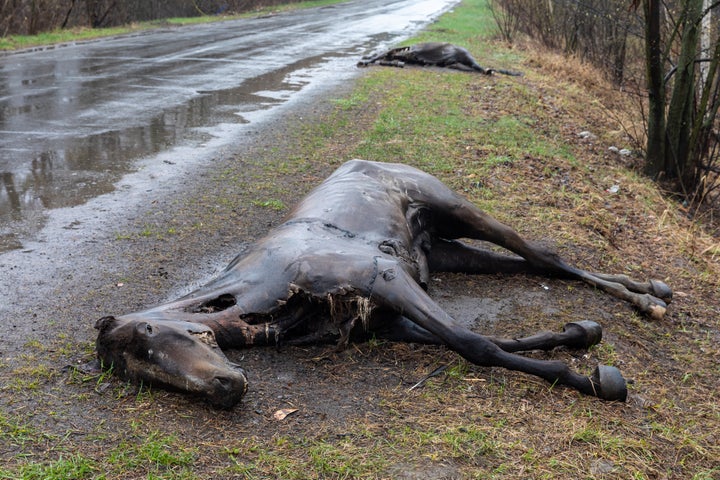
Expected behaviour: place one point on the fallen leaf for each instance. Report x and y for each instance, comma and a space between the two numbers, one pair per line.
284, 412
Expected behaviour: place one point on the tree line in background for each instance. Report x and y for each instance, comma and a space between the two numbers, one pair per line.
666, 50
29, 17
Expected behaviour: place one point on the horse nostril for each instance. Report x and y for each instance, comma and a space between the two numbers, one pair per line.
225, 383
228, 389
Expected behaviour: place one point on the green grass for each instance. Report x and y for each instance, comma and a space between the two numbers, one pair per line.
291, 458
439, 131
362, 453
471, 24
14, 431
69, 467
152, 455
17, 42
272, 204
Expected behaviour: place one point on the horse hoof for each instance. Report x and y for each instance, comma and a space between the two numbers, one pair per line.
609, 383
661, 290
586, 333
656, 312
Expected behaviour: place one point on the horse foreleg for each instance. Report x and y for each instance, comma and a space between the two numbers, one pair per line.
580, 335
407, 298
388, 58
577, 335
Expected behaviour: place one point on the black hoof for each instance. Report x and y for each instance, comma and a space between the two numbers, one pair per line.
609, 383
583, 334
661, 290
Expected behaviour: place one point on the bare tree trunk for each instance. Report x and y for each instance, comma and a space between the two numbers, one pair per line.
98, 11
678, 162
67, 14
705, 35
655, 161
701, 140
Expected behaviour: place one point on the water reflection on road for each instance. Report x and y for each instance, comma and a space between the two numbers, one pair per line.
75, 119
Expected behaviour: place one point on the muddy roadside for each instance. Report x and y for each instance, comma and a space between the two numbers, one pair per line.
132, 251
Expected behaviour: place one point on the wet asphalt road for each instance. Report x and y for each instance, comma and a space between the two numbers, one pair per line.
91, 132
75, 119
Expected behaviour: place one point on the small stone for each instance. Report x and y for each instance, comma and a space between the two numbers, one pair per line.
602, 467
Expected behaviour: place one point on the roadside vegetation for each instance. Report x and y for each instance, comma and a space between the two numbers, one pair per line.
60, 36
665, 55
534, 151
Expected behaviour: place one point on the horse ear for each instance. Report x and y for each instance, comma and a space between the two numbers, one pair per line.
105, 323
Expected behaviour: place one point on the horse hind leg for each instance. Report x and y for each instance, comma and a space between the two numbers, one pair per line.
455, 217
656, 288
651, 297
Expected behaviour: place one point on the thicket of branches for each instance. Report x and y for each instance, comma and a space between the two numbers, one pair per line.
598, 31
670, 49
29, 17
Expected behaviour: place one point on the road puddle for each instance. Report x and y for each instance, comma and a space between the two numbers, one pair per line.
77, 120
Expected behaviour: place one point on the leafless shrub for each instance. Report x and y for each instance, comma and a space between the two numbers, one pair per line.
596, 31
611, 36
507, 24
29, 17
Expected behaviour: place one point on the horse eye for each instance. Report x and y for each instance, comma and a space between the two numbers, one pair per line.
144, 328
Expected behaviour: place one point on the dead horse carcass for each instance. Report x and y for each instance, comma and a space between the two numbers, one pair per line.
354, 257
434, 54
